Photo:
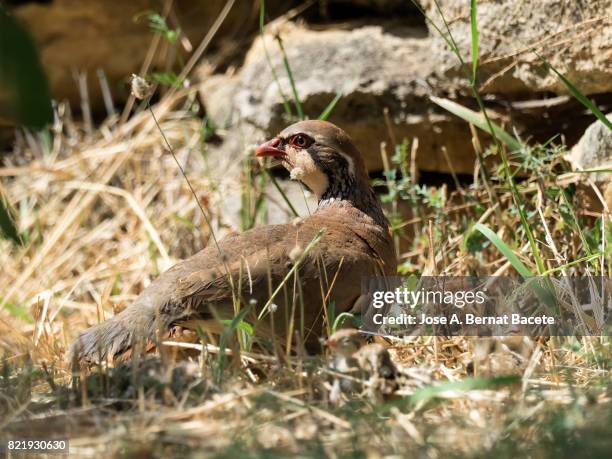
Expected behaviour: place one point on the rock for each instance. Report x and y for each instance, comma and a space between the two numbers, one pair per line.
594, 150
395, 67
575, 37
218, 92
88, 35
276, 210
375, 68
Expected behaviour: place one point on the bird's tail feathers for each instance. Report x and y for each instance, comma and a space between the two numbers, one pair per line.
112, 338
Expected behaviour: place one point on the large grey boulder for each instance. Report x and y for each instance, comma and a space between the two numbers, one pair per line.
114, 36
375, 69
574, 36
394, 68
594, 150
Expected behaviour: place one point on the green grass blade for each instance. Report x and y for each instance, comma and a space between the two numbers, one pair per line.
478, 120
330, 107
241, 325
237, 323
573, 263
446, 39
578, 95
484, 122
262, 7
474, 27
296, 97
286, 106
341, 319
428, 393
523, 270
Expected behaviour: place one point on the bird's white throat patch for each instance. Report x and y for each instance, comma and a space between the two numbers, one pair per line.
305, 170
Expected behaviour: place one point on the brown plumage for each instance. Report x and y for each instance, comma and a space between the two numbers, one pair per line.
356, 243
370, 363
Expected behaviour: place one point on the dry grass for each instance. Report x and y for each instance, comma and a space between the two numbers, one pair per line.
104, 214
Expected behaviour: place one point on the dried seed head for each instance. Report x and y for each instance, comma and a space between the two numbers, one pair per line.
295, 253
141, 89
273, 307
296, 173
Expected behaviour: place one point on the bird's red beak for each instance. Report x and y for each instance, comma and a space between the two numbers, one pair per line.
270, 148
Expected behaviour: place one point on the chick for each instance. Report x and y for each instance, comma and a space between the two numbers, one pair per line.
343, 344
374, 360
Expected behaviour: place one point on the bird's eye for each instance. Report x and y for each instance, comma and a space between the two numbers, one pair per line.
301, 141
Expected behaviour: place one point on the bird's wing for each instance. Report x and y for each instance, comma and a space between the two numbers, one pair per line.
250, 258
258, 260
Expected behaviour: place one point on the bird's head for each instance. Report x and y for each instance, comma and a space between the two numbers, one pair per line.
320, 155
345, 342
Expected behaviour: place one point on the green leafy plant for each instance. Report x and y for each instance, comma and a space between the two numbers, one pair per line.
158, 24
447, 36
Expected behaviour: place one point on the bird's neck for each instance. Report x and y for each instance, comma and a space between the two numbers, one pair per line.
356, 192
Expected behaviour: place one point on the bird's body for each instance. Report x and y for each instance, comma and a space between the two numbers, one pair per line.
370, 364
355, 243
343, 345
